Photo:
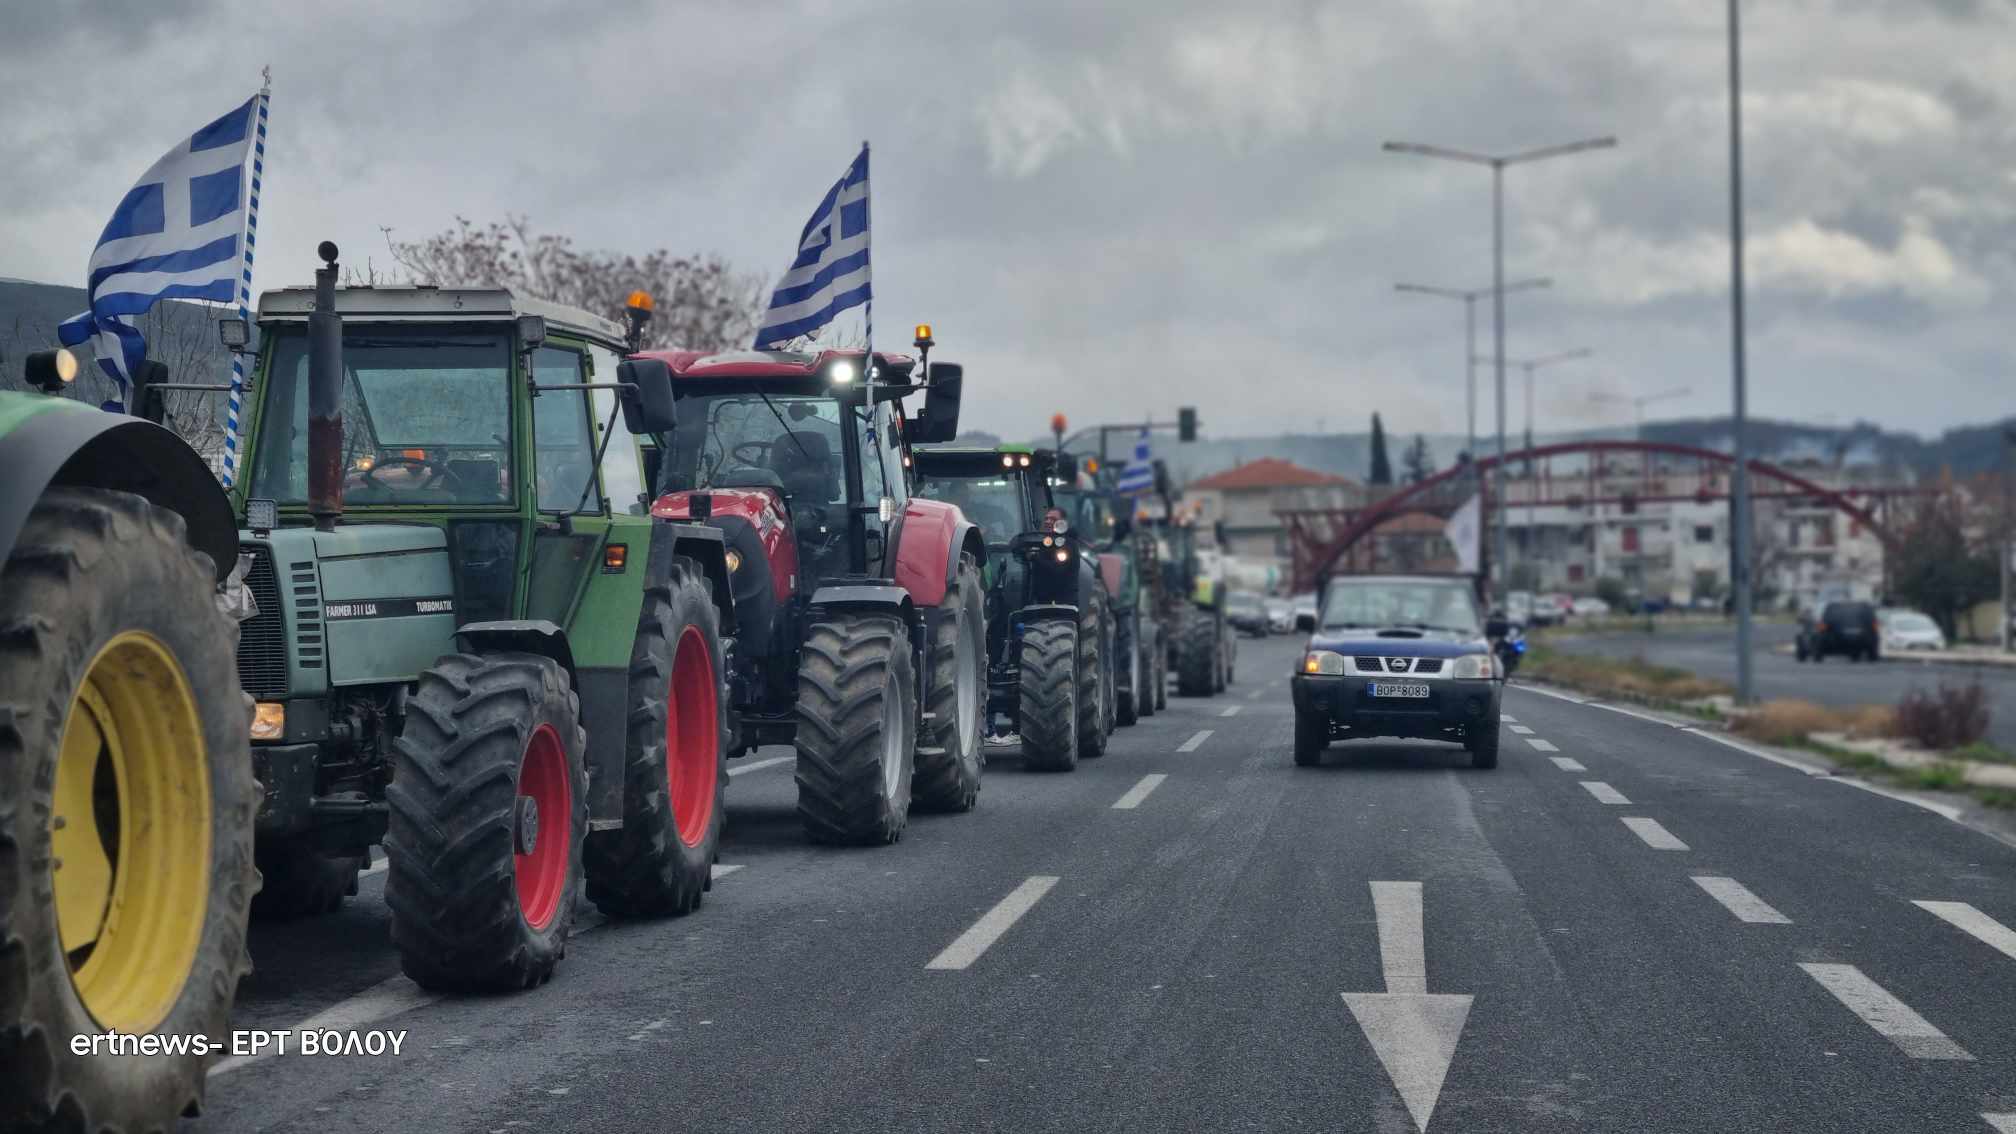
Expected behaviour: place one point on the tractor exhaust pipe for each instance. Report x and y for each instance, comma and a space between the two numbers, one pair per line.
325, 397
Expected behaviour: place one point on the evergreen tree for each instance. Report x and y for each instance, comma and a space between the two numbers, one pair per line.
1417, 463
1382, 468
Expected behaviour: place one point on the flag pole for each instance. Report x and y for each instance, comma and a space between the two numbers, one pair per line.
236, 401
868, 310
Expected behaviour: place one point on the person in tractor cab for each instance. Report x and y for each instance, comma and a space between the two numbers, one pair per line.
1053, 520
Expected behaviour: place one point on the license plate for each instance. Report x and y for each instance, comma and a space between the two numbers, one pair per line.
1399, 689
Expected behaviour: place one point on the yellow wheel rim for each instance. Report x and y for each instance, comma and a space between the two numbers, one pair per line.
130, 834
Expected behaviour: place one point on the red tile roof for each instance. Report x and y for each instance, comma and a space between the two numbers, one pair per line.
1267, 472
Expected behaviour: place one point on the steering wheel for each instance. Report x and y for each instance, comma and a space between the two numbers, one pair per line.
438, 472
761, 451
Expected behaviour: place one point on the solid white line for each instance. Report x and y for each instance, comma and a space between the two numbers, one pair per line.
1604, 793
1892, 1018
1542, 745
1568, 763
1397, 906
1231, 711
759, 765
2003, 1123
968, 946
1139, 792
1944, 811
1635, 713
1521, 729
1508, 718
1989, 931
1730, 742
1656, 836
386, 998
1191, 744
1737, 899
721, 871
1550, 693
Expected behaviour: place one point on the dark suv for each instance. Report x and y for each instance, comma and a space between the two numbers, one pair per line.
1847, 628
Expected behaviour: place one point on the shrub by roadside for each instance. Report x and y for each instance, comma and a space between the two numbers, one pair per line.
1948, 717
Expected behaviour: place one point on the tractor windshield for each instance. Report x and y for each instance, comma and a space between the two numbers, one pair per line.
426, 416
746, 440
994, 503
1090, 513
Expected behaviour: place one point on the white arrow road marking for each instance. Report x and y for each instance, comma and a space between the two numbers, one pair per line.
385, 999
1231, 711
1542, 745
1654, 833
759, 765
968, 946
1568, 763
2003, 1123
1604, 793
1139, 792
1892, 1018
1737, 899
1996, 935
1413, 1032
1191, 744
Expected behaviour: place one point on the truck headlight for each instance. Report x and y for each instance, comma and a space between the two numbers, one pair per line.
1475, 667
1324, 662
269, 721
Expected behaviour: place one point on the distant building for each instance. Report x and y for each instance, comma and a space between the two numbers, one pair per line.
1247, 496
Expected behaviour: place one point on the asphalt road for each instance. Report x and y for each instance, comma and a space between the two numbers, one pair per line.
1625, 927
1711, 652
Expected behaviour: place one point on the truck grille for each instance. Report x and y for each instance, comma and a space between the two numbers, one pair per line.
262, 639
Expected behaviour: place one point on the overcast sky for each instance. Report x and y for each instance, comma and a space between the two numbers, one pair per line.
1112, 209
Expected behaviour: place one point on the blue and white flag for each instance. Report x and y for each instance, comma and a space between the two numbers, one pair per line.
1138, 478
830, 274
177, 234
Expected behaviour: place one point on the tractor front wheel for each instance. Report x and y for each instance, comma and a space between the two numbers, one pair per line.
857, 729
1127, 699
1049, 696
126, 808
489, 805
1095, 678
948, 765
1197, 657
674, 775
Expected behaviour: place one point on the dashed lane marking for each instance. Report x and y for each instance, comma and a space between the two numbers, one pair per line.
1255, 695
1521, 729
1231, 711
1737, 899
1655, 835
1568, 763
1984, 928
1890, 1017
1191, 744
759, 765
1604, 793
721, 871
1541, 745
2003, 1123
968, 946
1508, 718
1139, 792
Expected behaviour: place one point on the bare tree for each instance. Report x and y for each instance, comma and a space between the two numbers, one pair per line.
701, 303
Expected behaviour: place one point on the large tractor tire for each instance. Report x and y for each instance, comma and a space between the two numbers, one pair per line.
949, 760
1049, 694
299, 880
1128, 691
661, 860
489, 806
1197, 657
857, 730
126, 809
1231, 641
1145, 646
1095, 678
1161, 654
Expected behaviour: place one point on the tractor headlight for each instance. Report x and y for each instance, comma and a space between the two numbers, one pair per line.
269, 721
1062, 555
1324, 662
1475, 667
734, 559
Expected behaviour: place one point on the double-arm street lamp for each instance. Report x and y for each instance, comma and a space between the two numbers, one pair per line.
1470, 299
1529, 365
1640, 401
1497, 164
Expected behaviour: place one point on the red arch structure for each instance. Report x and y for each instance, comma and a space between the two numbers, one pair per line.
1319, 538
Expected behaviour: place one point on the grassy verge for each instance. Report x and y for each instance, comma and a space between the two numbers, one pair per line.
1944, 776
1631, 679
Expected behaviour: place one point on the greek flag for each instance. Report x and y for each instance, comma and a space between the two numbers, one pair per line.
830, 274
1138, 478
175, 235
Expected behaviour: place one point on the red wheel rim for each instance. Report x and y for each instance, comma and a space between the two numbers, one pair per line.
542, 874
692, 737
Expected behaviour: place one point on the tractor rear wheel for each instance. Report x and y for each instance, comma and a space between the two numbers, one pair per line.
1161, 657
1095, 677
1127, 697
674, 775
489, 805
299, 880
857, 729
1049, 696
126, 808
1197, 657
948, 763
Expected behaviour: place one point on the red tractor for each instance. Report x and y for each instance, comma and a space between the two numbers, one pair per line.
860, 634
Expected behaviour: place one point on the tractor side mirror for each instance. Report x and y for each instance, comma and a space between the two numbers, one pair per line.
939, 422
647, 395
150, 401
1066, 468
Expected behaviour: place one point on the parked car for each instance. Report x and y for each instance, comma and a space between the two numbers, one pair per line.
1305, 611
1246, 613
1549, 609
1909, 630
1589, 606
1846, 628
1519, 608
1280, 614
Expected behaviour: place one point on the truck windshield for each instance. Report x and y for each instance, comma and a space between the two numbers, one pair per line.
739, 439
994, 503
1424, 604
426, 416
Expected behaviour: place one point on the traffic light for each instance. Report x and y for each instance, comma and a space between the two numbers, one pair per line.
1186, 423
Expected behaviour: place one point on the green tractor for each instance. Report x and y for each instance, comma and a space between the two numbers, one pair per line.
126, 790
1201, 646
474, 643
1050, 615
1106, 522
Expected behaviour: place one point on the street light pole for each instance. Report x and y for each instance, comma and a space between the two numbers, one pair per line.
1740, 483
1470, 297
1529, 365
1498, 162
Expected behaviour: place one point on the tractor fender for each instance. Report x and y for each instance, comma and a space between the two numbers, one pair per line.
704, 544
1047, 612
93, 449
865, 596
522, 636
928, 545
